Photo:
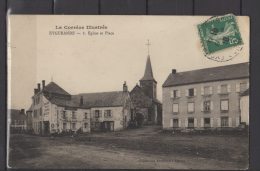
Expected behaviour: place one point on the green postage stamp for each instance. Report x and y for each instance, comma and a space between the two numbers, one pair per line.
219, 33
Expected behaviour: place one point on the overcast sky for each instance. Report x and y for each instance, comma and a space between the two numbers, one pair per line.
83, 63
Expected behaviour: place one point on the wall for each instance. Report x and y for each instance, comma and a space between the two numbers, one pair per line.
54, 115
244, 106
215, 114
117, 116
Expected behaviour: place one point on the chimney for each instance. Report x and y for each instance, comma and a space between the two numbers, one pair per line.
81, 101
39, 87
174, 71
125, 89
43, 84
35, 91
22, 111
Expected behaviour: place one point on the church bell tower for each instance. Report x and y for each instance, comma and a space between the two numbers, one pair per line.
148, 83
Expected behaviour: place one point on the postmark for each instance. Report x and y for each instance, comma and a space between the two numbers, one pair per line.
220, 34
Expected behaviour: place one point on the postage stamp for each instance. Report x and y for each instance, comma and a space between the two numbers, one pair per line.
218, 33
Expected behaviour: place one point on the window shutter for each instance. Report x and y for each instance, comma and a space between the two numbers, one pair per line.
171, 94
230, 122
211, 122
179, 123
202, 90
187, 92
228, 88
237, 87
202, 122
237, 121
179, 93
195, 122
211, 105
210, 90
218, 122
219, 89
171, 122
201, 106
186, 122
195, 91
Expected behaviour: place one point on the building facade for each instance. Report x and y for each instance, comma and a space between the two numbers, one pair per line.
54, 110
144, 97
205, 98
18, 120
244, 107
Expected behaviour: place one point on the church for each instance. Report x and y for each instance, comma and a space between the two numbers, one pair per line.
144, 97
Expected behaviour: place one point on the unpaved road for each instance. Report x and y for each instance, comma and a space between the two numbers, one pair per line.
66, 152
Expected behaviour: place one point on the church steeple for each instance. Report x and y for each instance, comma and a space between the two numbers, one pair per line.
148, 73
148, 83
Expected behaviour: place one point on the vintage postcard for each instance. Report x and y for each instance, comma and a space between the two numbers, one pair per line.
128, 92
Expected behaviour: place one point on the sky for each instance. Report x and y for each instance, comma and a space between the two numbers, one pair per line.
98, 63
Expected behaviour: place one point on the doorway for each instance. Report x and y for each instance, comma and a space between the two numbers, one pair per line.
46, 127
108, 126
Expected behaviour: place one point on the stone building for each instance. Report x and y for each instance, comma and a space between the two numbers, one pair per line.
144, 97
109, 111
54, 110
204, 98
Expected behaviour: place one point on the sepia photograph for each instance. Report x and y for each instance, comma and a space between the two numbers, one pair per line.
128, 92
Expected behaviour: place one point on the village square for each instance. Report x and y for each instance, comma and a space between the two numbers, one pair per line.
202, 118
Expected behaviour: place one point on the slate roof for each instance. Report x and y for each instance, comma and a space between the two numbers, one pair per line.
148, 73
17, 115
64, 102
228, 72
52, 87
101, 99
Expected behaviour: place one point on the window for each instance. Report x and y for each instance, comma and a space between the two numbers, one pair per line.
206, 106
191, 92
175, 123
97, 113
176, 94
107, 114
224, 106
64, 114
86, 115
85, 125
40, 111
224, 121
243, 87
34, 113
224, 89
175, 108
64, 125
73, 125
190, 107
206, 122
190, 122
73, 115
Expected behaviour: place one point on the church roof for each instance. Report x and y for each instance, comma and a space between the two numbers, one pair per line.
140, 99
228, 72
52, 87
148, 73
